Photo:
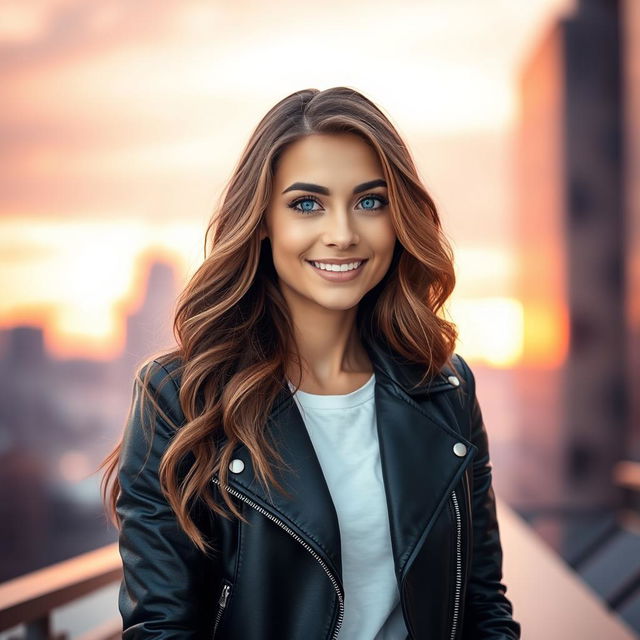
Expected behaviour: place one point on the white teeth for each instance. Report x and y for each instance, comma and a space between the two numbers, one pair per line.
337, 267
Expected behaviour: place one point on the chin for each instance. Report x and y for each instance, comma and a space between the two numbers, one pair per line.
337, 305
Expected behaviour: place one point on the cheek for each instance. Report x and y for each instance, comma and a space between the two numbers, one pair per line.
288, 245
288, 241
383, 238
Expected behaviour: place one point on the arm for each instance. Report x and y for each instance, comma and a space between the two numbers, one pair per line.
488, 612
166, 590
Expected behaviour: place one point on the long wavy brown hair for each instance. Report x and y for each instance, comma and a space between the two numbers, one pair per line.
233, 331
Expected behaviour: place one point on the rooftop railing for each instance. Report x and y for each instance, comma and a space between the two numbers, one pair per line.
550, 599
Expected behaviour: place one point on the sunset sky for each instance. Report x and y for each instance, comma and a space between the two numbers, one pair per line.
120, 122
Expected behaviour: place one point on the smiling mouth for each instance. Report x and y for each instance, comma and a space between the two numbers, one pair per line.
339, 269
340, 275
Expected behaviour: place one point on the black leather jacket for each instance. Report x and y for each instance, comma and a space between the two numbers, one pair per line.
279, 577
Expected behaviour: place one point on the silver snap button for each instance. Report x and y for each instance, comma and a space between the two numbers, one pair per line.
236, 466
454, 381
460, 449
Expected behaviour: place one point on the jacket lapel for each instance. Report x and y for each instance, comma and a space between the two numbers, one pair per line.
309, 509
418, 462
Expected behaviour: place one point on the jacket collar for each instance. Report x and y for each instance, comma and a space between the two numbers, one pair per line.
418, 461
404, 373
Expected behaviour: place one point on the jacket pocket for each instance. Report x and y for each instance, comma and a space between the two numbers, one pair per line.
225, 593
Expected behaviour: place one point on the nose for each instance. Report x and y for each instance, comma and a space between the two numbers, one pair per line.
340, 230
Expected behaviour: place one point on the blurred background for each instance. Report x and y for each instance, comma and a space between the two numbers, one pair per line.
119, 124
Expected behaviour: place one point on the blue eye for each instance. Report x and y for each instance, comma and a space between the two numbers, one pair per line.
304, 202
307, 203
371, 198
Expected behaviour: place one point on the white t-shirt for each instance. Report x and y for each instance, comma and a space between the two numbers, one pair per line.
344, 434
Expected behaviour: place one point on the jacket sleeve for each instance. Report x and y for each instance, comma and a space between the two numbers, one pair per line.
167, 586
488, 613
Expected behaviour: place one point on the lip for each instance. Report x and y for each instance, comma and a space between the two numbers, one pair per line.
338, 260
339, 276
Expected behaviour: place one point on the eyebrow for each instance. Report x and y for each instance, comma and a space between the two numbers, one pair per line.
316, 188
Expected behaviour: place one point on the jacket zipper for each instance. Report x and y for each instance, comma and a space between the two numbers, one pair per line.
458, 587
456, 601
222, 603
301, 541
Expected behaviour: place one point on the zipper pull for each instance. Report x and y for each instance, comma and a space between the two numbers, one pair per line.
224, 595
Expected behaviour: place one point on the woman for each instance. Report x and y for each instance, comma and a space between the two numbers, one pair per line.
311, 461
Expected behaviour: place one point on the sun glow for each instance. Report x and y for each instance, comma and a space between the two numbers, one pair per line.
491, 329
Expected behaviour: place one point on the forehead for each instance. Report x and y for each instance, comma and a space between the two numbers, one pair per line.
329, 157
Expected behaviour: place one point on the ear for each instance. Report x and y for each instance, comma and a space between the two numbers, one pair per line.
263, 230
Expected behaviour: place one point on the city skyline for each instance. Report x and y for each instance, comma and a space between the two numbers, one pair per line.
119, 134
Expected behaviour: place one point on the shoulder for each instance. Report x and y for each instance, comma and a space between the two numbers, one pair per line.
160, 371
160, 377
460, 368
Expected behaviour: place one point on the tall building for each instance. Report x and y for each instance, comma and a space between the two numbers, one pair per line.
149, 328
631, 123
572, 220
